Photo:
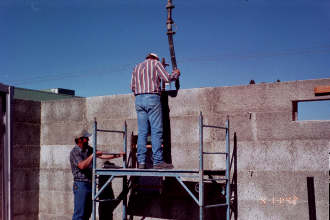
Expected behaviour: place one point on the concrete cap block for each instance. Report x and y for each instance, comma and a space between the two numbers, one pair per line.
111, 107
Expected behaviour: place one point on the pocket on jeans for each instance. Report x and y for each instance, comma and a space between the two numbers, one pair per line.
75, 187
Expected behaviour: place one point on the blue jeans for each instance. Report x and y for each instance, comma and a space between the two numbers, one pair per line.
82, 192
149, 112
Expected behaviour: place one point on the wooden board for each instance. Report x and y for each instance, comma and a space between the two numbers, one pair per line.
322, 90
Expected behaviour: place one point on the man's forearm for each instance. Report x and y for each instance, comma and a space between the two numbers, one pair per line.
85, 163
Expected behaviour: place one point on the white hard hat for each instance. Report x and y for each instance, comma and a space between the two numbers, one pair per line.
83, 133
152, 55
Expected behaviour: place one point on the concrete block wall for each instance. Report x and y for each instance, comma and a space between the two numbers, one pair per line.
275, 154
26, 159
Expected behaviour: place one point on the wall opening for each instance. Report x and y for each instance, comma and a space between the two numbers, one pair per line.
311, 110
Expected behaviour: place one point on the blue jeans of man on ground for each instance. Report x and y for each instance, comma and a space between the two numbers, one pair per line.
149, 111
82, 192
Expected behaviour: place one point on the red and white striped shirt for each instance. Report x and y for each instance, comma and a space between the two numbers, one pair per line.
147, 76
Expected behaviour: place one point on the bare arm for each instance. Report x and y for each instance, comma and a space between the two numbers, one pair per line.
86, 163
112, 156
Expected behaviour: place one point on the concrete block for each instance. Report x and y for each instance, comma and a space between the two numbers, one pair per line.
55, 156
45, 216
283, 187
26, 134
64, 204
25, 203
185, 156
311, 155
61, 133
47, 205
259, 211
26, 156
305, 89
55, 180
192, 102
25, 180
64, 217
253, 98
279, 126
27, 111
63, 110
311, 129
185, 130
111, 107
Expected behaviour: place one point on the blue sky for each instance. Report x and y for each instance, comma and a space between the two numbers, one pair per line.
92, 46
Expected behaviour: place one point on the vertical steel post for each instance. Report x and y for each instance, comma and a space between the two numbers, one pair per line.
125, 187
227, 169
7, 203
94, 167
201, 169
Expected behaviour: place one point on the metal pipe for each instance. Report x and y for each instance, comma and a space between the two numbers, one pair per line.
94, 168
227, 168
212, 126
215, 153
201, 171
103, 187
187, 189
7, 204
215, 205
125, 187
111, 131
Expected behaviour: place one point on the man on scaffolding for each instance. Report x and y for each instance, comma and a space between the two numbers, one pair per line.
146, 86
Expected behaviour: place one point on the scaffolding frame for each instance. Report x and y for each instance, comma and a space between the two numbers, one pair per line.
197, 174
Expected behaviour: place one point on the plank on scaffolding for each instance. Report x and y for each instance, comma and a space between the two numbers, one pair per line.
322, 90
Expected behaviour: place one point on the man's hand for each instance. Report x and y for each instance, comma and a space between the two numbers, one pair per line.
176, 72
99, 153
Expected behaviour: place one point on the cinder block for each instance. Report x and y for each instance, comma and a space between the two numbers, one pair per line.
111, 107
64, 217
260, 211
47, 205
25, 180
26, 134
185, 156
25, 203
283, 187
253, 98
192, 102
26, 156
63, 110
305, 89
185, 130
45, 216
61, 133
55, 156
279, 126
27, 111
64, 204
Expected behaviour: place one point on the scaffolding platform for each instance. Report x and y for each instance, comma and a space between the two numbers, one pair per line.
201, 176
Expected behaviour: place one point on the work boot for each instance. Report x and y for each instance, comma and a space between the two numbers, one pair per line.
163, 165
141, 166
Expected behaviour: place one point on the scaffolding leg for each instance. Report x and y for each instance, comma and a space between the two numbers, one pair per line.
228, 169
94, 167
201, 173
125, 186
